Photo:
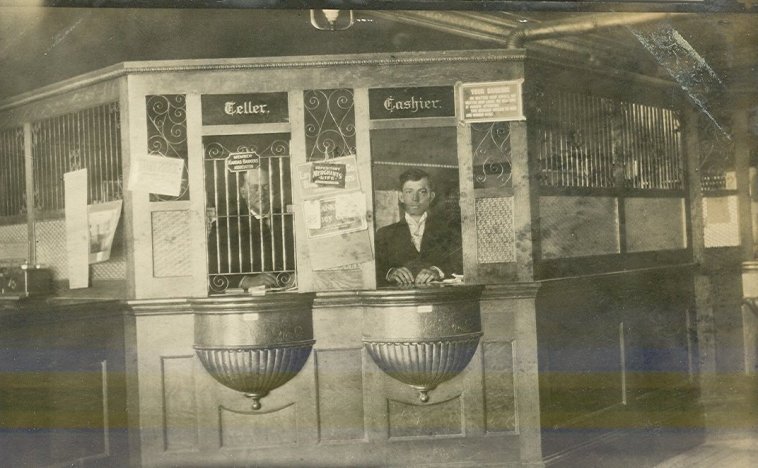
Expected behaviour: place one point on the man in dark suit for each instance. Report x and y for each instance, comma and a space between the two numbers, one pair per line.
420, 248
248, 241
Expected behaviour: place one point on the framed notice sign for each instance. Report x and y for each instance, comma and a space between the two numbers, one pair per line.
242, 161
492, 101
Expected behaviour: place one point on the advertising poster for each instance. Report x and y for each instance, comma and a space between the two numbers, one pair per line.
332, 176
103, 220
335, 215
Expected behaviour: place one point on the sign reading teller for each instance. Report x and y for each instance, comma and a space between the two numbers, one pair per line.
233, 109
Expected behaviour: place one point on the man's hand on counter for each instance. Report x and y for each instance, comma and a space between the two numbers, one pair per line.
404, 277
427, 275
400, 275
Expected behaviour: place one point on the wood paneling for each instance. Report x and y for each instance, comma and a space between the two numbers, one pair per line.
578, 226
179, 404
248, 429
444, 418
655, 224
340, 394
499, 394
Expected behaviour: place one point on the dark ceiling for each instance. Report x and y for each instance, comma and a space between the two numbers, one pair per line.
39, 46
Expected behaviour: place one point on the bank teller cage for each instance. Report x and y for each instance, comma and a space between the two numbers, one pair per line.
249, 233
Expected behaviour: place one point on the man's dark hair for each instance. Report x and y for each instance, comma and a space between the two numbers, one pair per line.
414, 174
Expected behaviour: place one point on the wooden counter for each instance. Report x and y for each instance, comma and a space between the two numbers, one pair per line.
341, 408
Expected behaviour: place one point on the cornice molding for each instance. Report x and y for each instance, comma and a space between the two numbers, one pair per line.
259, 63
159, 307
510, 291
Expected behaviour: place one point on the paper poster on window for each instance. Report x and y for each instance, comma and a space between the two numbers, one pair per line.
335, 215
328, 177
156, 174
103, 220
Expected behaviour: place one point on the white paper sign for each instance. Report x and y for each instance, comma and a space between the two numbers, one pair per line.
312, 210
77, 228
156, 174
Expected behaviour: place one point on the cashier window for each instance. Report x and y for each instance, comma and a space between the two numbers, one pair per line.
248, 212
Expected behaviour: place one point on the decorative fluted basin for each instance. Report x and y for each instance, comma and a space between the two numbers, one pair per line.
254, 344
422, 337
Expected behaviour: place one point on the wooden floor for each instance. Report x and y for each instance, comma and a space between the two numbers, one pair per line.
736, 452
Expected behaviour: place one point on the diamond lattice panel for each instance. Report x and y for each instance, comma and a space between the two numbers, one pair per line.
13, 242
722, 228
171, 244
51, 246
494, 230
113, 269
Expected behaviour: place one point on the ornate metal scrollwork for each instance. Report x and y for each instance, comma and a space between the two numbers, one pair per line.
167, 135
329, 123
492, 154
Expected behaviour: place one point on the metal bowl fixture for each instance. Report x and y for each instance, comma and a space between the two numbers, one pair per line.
422, 337
254, 344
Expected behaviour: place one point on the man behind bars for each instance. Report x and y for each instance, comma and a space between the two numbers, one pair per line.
421, 247
249, 243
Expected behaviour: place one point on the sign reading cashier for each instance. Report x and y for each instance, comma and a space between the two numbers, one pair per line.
411, 103
231, 109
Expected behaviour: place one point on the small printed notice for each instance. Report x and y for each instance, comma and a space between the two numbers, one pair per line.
241, 162
335, 215
156, 174
494, 101
326, 174
103, 219
330, 177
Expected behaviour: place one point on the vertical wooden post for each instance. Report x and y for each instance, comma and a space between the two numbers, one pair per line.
195, 171
128, 208
704, 318
742, 170
29, 181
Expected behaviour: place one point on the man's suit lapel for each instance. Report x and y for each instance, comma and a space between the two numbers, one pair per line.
430, 230
404, 236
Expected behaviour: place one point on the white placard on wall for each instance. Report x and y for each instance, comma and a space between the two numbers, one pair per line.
156, 174
77, 228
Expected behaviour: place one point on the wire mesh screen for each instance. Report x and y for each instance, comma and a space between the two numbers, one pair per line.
248, 213
12, 173
329, 123
89, 139
597, 142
